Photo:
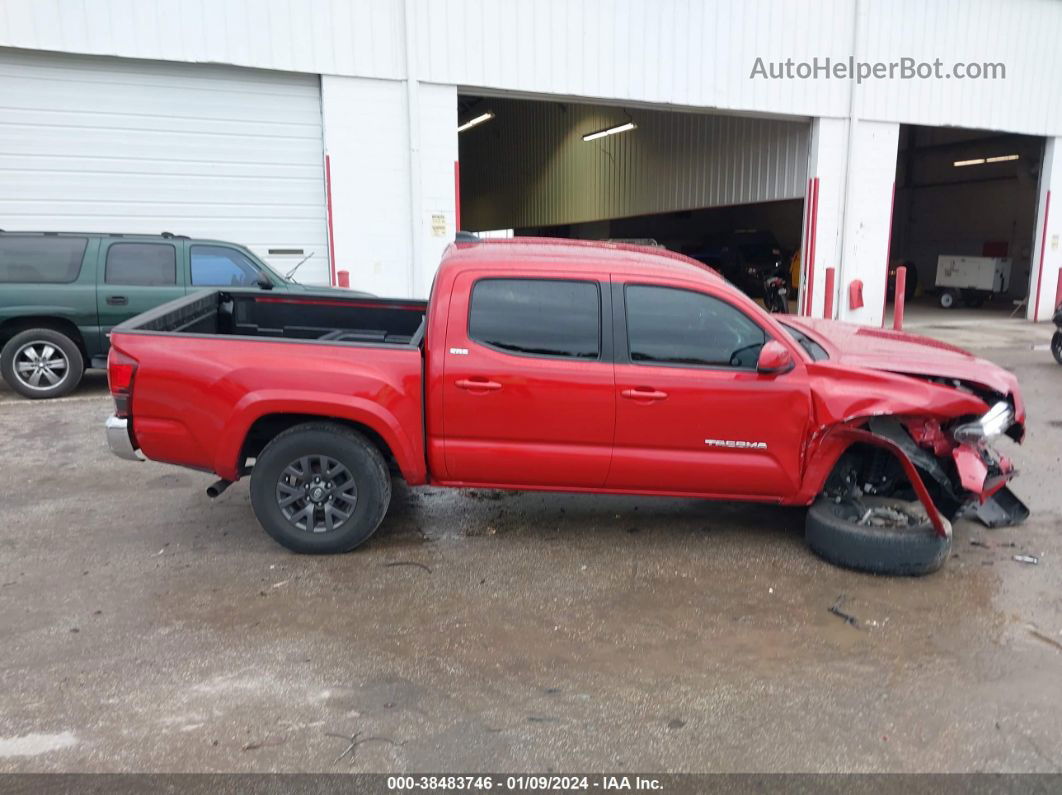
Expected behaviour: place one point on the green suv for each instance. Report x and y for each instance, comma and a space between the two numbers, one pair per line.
61, 293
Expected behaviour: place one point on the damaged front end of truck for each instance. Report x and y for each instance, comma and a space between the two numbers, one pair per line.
898, 455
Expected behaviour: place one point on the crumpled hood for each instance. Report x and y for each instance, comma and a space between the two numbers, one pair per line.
909, 354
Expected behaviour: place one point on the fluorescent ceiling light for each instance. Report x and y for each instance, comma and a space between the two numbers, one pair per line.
610, 131
980, 161
478, 120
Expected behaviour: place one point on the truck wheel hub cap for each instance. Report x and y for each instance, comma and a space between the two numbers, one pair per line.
316, 494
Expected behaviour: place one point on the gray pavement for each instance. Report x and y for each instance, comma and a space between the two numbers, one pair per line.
145, 628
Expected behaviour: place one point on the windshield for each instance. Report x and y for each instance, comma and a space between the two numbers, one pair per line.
258, 261
815, 351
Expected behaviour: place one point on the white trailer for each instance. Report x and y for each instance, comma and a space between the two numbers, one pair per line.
973, 279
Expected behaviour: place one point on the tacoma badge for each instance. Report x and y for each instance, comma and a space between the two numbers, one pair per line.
736, 443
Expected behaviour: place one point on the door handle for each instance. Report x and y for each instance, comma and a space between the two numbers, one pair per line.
478, 384
643, 393
117, 300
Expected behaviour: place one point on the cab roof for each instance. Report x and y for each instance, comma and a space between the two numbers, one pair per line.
578, 255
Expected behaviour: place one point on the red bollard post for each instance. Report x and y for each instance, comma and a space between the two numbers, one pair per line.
827, 309
343, 278
901, 293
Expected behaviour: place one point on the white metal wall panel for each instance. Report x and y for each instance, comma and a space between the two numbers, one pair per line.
659, 51
367, 139
1021, 34
529, 166
347, 37
100, 144
680, 52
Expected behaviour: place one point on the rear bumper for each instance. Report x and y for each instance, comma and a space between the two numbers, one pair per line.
119, 440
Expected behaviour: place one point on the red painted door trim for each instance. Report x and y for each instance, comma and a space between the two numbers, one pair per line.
1043, 248
331, 231
888, 257
457, 196
809, 292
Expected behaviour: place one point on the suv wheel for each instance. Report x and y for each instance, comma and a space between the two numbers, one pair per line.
41, 363
320, 488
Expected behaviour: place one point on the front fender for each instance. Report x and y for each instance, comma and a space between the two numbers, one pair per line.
832, 444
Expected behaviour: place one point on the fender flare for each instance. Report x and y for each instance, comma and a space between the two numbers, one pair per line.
255, 405
846, 435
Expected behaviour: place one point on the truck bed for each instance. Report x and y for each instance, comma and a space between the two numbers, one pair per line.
257, 314
213, 366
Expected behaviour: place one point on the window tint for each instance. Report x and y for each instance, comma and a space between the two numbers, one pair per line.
537, 316
671, 326
815, 351
220, 266
141, 264
40, 259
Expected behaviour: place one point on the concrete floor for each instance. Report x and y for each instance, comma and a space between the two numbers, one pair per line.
146, 628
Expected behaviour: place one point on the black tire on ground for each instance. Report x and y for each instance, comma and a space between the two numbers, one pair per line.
303, 456
1056, 346
974, 299
61, 363
832, 533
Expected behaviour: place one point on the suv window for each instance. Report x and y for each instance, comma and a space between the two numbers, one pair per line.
40, 259
537, 316
666, 325
141, 264
221, 266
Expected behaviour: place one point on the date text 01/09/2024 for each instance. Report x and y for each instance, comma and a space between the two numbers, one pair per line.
523, 783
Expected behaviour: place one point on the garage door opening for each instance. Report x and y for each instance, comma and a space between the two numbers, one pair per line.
726, 190
964, 218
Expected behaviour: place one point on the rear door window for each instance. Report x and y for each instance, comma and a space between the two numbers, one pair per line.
42, 260
537, 317
221, 266
141, 264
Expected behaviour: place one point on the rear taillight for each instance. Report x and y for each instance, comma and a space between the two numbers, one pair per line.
121, 369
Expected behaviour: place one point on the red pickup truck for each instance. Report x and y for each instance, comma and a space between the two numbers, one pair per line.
568, 366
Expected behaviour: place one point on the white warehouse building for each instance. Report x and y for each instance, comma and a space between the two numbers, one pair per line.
329, 129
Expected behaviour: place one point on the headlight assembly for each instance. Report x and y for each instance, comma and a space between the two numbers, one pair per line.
994, 423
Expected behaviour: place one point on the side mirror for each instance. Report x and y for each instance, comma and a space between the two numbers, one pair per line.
263, 282
775, 359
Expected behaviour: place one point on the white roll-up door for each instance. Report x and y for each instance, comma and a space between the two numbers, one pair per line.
113, 145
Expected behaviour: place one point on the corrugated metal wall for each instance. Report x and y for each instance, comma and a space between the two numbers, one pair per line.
111, 145
682, 52
342, 37
529, 166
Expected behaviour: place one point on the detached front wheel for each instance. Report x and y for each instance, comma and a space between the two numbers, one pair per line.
320, 488
877, 535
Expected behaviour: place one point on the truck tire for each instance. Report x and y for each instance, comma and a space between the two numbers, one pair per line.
41, 363
320, 488
1056, 346
834, 533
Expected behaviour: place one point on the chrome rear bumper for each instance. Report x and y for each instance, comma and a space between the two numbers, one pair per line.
118, 439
